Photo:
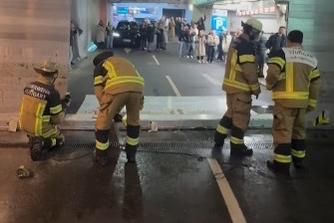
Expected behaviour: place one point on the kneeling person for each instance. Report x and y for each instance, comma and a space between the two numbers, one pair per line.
42, 110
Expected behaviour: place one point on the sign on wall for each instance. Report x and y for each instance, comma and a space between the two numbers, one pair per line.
219, 20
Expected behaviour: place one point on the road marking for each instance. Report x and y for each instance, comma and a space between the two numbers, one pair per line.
127, 50
263, 83
211, 80
231, 202
176, 91
156, 60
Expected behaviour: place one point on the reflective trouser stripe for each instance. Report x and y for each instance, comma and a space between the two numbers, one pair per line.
282, 158
235, 140
50, 133
221, 129
102, 146
132, 141
56, 109
298, 153
312, 103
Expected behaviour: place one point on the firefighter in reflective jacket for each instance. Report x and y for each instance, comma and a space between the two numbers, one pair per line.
41, 110
240, 83
294, 78
117, 84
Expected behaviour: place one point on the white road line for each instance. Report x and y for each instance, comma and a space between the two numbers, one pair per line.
263, 83
231, 202
211, 80
127, 50
176, 91
156, 60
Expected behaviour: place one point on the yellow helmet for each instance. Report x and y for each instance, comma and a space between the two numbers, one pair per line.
254, 23
46, 68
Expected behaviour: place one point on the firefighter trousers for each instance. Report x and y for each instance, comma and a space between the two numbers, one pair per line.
236, 119
51, 138
110, 106
289, 134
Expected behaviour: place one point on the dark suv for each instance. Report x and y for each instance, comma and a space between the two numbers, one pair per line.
127, 34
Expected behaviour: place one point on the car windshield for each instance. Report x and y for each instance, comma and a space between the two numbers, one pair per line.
125, 25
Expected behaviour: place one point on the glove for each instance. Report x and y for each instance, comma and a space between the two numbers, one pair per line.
257, 93
118, 118
66, 101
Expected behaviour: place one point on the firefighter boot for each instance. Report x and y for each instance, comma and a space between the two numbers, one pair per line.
36, 148
100, 157
298, 163
280, 168
240, 150
221, 132
298, 153
60, 141
219, 141
238, 147
131, 155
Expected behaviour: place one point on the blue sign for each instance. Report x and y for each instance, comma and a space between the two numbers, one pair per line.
218, 23
122, 10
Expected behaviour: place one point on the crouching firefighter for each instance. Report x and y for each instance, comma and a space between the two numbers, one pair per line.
117, 84
240, 83
42, 110
294, 78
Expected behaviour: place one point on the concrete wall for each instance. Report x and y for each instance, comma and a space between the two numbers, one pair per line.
271, 23
31, 32
86, 14
315, 19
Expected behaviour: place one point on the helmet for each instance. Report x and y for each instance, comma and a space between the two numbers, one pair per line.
46, 68
254, 23
102, 56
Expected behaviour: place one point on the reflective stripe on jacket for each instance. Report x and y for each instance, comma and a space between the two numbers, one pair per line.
118, 75
39, 108
240, 78
296, 83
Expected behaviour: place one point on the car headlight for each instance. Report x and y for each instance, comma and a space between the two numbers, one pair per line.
115, 35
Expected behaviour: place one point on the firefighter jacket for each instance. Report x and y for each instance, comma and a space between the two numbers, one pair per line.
117, 75
240, 74
40, 110
294, 78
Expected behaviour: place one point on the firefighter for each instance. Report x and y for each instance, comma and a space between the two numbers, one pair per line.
42, 110
294, 78
240, 83
117, 84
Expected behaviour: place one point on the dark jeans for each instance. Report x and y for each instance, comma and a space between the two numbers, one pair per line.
211, 53
220, 54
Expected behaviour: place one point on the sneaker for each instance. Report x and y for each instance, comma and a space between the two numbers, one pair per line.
36, 149
192, 57
199, 61
187, 57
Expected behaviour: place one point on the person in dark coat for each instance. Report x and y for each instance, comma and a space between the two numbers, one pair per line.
200, 23
278, 40
220, 46
150, 36
260, 51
